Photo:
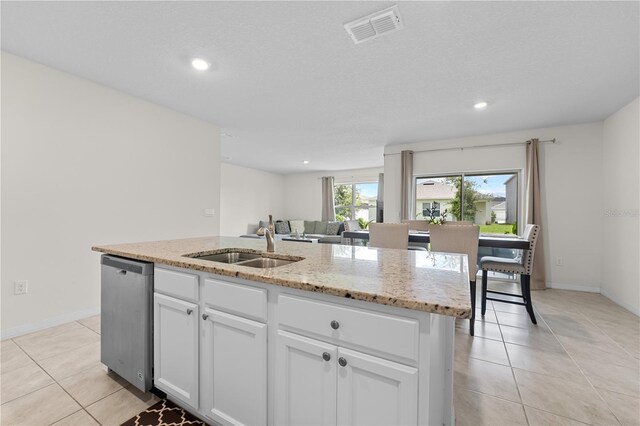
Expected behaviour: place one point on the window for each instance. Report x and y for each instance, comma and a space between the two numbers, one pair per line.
356, 201
431, 208
489, 200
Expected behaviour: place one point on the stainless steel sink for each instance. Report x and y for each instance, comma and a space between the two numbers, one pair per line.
231, 257
253, 259
266, 262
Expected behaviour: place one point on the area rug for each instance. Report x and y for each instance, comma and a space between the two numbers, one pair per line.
164, 413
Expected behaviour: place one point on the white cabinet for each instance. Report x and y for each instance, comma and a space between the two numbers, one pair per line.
375, 391
175, 335
319, 383
305, 381
234, 369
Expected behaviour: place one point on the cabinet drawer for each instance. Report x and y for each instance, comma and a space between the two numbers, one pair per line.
389, 334
239, 299
174, 283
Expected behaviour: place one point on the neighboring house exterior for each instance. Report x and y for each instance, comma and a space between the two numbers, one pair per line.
511, 191
484, 208
501, 212
434, 194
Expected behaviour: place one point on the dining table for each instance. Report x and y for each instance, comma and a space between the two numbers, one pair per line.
506, 241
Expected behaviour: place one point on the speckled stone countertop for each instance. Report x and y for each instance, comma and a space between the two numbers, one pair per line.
418, 280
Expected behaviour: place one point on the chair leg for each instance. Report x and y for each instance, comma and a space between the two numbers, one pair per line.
472, 285
525, 281
484, 292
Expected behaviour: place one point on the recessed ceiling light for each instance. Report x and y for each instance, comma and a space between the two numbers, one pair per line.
200, 64
480, 105
305, 162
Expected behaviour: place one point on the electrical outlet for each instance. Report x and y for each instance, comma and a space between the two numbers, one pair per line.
559, 261
20, 287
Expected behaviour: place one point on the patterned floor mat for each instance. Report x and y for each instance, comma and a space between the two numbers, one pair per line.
164, 413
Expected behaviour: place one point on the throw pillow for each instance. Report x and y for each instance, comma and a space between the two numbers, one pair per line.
282, 227
309, 226
332, 228
320, 228
296, 226
264, 224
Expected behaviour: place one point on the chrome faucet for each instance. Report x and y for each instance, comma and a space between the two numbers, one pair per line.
271, 243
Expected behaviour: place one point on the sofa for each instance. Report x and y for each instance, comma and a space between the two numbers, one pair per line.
326, 232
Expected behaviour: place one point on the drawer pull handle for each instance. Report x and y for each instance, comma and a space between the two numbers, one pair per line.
342, 362
205, 316
326, 356
335, 324
189, 311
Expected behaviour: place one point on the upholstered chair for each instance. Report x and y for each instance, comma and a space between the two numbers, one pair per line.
417, 225
460, 239
521, 264
389, 235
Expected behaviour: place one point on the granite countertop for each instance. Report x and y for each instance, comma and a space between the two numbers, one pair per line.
418, 280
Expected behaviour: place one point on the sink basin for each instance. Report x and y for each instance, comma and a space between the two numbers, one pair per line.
231, 257
266, 262
253, 259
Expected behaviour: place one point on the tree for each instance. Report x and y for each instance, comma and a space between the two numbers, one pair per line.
470, 195
343, 199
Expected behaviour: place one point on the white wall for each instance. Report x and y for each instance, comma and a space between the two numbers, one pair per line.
83, 164
620, 207
248, 196
571, 180
303, 191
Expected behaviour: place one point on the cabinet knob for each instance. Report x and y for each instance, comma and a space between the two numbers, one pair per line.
189, 311
205, 316
326, 356
342, 362
335, 324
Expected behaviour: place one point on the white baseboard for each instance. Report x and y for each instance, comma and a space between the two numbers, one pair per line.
50, 322
562, 286
633, 309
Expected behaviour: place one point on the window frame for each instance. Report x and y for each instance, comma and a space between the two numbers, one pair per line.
519, 173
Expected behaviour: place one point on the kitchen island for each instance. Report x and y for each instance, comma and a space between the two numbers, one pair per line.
341, 335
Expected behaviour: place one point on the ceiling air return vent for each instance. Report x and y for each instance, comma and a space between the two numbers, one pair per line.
374, 25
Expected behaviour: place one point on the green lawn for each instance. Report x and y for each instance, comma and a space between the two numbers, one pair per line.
496, 228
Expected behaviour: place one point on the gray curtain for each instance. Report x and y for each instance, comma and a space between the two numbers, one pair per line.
533, 213
328, 203
406, 184
380, 199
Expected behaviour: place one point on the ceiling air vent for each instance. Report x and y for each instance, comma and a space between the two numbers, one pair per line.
374, 25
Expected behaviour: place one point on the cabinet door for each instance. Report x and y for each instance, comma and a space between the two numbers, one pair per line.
175, 358
234, 369
305, 381
374, 391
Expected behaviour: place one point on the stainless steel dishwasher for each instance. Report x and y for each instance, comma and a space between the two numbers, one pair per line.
127, 319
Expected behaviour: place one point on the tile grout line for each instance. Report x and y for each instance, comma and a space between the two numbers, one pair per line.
513, 374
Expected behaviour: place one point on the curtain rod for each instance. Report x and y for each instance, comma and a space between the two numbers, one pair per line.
462, 148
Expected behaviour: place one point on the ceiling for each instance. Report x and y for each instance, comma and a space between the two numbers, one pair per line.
288, 84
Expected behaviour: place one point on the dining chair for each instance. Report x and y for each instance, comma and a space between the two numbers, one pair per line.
417, 225
389, 235
458, 222
521, 264
460, 239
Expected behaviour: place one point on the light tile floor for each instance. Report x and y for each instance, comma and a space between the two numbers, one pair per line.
54, 376
579, 365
